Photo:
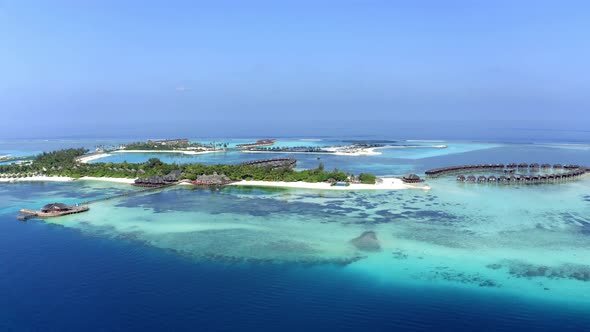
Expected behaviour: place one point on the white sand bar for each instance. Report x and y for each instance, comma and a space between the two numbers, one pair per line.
385, 184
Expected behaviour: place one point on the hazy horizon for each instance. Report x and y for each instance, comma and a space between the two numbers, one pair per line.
411, 70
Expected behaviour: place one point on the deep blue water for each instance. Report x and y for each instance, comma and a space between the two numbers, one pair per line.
56, 279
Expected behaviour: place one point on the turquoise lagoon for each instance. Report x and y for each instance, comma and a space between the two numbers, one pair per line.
528, 244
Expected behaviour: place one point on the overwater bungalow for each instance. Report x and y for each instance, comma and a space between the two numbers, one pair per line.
503, 179
412, 178
492, 179
461, 178
512, 165
546, 166
523, 165
471, 178
482, 178
534, 165
152, 181
52, 210
557, 166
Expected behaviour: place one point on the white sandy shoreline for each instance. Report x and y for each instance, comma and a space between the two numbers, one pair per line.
168, 151
85, 159
386, 184
66, 179
337, 151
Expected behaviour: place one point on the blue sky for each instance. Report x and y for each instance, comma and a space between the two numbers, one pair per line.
231, 68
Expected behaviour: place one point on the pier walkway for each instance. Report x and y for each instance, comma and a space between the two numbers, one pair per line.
26, 214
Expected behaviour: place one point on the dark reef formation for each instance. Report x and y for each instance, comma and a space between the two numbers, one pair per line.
367, 241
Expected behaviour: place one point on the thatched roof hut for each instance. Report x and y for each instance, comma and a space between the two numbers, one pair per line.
55, 207
461, 178
212, 179
482, 178
173, 176
411, 178
471, 178
492, 179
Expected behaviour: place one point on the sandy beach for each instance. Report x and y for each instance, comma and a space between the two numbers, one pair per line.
168, 151
353, 151
358, 152
88, 158
38, 178
66, 179
386, 184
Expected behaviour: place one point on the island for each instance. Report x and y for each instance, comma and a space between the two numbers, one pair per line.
68, 165
178, 145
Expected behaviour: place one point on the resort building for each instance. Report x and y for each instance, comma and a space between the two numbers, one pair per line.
55, 207
176, 141
212, 180
411, 178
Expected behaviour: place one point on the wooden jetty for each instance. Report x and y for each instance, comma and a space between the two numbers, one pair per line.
60, 209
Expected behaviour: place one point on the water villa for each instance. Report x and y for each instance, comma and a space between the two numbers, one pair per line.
534, 173
159, 181
52, 210
260, 142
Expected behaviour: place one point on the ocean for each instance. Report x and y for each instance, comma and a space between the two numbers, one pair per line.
460, 257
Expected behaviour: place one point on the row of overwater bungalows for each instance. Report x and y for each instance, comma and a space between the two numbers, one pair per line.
542, 178
496, 167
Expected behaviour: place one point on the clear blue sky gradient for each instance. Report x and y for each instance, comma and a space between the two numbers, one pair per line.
232, 68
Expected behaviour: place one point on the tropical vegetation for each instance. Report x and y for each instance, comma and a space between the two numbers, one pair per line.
65, 163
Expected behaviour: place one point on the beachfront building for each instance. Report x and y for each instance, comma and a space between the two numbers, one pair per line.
212, 180
176, 141
411, 178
